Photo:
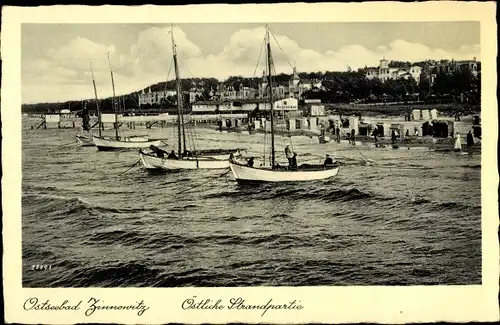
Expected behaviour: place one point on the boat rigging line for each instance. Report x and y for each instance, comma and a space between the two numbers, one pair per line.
279, 46
138, 161
260, 55
366, 159
168, 74
67, 144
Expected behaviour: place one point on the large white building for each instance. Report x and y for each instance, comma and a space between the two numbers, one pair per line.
383, 72
230, 92
156, 97
247, 105
295, 89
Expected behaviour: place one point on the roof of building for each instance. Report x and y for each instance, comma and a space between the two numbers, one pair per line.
242, 101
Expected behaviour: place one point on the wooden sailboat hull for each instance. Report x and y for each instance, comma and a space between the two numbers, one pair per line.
153, 163
251, 175
85, 141
104, 144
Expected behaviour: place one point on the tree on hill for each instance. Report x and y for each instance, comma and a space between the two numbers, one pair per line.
399, 64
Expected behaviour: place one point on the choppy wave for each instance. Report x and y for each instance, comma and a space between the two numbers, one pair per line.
405, 218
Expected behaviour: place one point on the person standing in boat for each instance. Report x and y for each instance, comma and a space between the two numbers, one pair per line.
85, 118
293, 163
289, 155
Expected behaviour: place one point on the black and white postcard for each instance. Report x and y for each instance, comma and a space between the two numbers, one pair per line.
278, 163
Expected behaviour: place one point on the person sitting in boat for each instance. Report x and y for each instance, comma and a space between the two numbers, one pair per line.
172, 155
289, 155
293, 163
328, 161
159, 152
231, 157
250, 162
187, 153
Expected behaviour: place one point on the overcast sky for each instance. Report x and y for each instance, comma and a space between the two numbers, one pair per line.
56, 57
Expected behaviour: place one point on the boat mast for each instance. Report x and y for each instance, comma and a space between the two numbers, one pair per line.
96, 101
270, 86
113, 102
179, 97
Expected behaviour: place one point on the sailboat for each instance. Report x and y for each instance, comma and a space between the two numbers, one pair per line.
185, 159
247, 174
86, 140
121, 143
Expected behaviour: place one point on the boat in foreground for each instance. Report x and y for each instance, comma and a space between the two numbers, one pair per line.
108, 144
247, 174
251, 175
185, 158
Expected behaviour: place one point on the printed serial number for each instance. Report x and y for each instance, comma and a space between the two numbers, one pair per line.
41, 267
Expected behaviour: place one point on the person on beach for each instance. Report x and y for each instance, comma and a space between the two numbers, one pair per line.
458, 143
353, 137
375, 136
337, 133
470, 139
289, 155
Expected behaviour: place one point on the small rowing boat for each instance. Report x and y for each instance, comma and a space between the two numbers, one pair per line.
154, 163
124, 143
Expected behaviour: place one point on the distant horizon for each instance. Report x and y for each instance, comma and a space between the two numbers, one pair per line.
55, 58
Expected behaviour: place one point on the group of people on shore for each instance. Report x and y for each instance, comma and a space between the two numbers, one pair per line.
458, 141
